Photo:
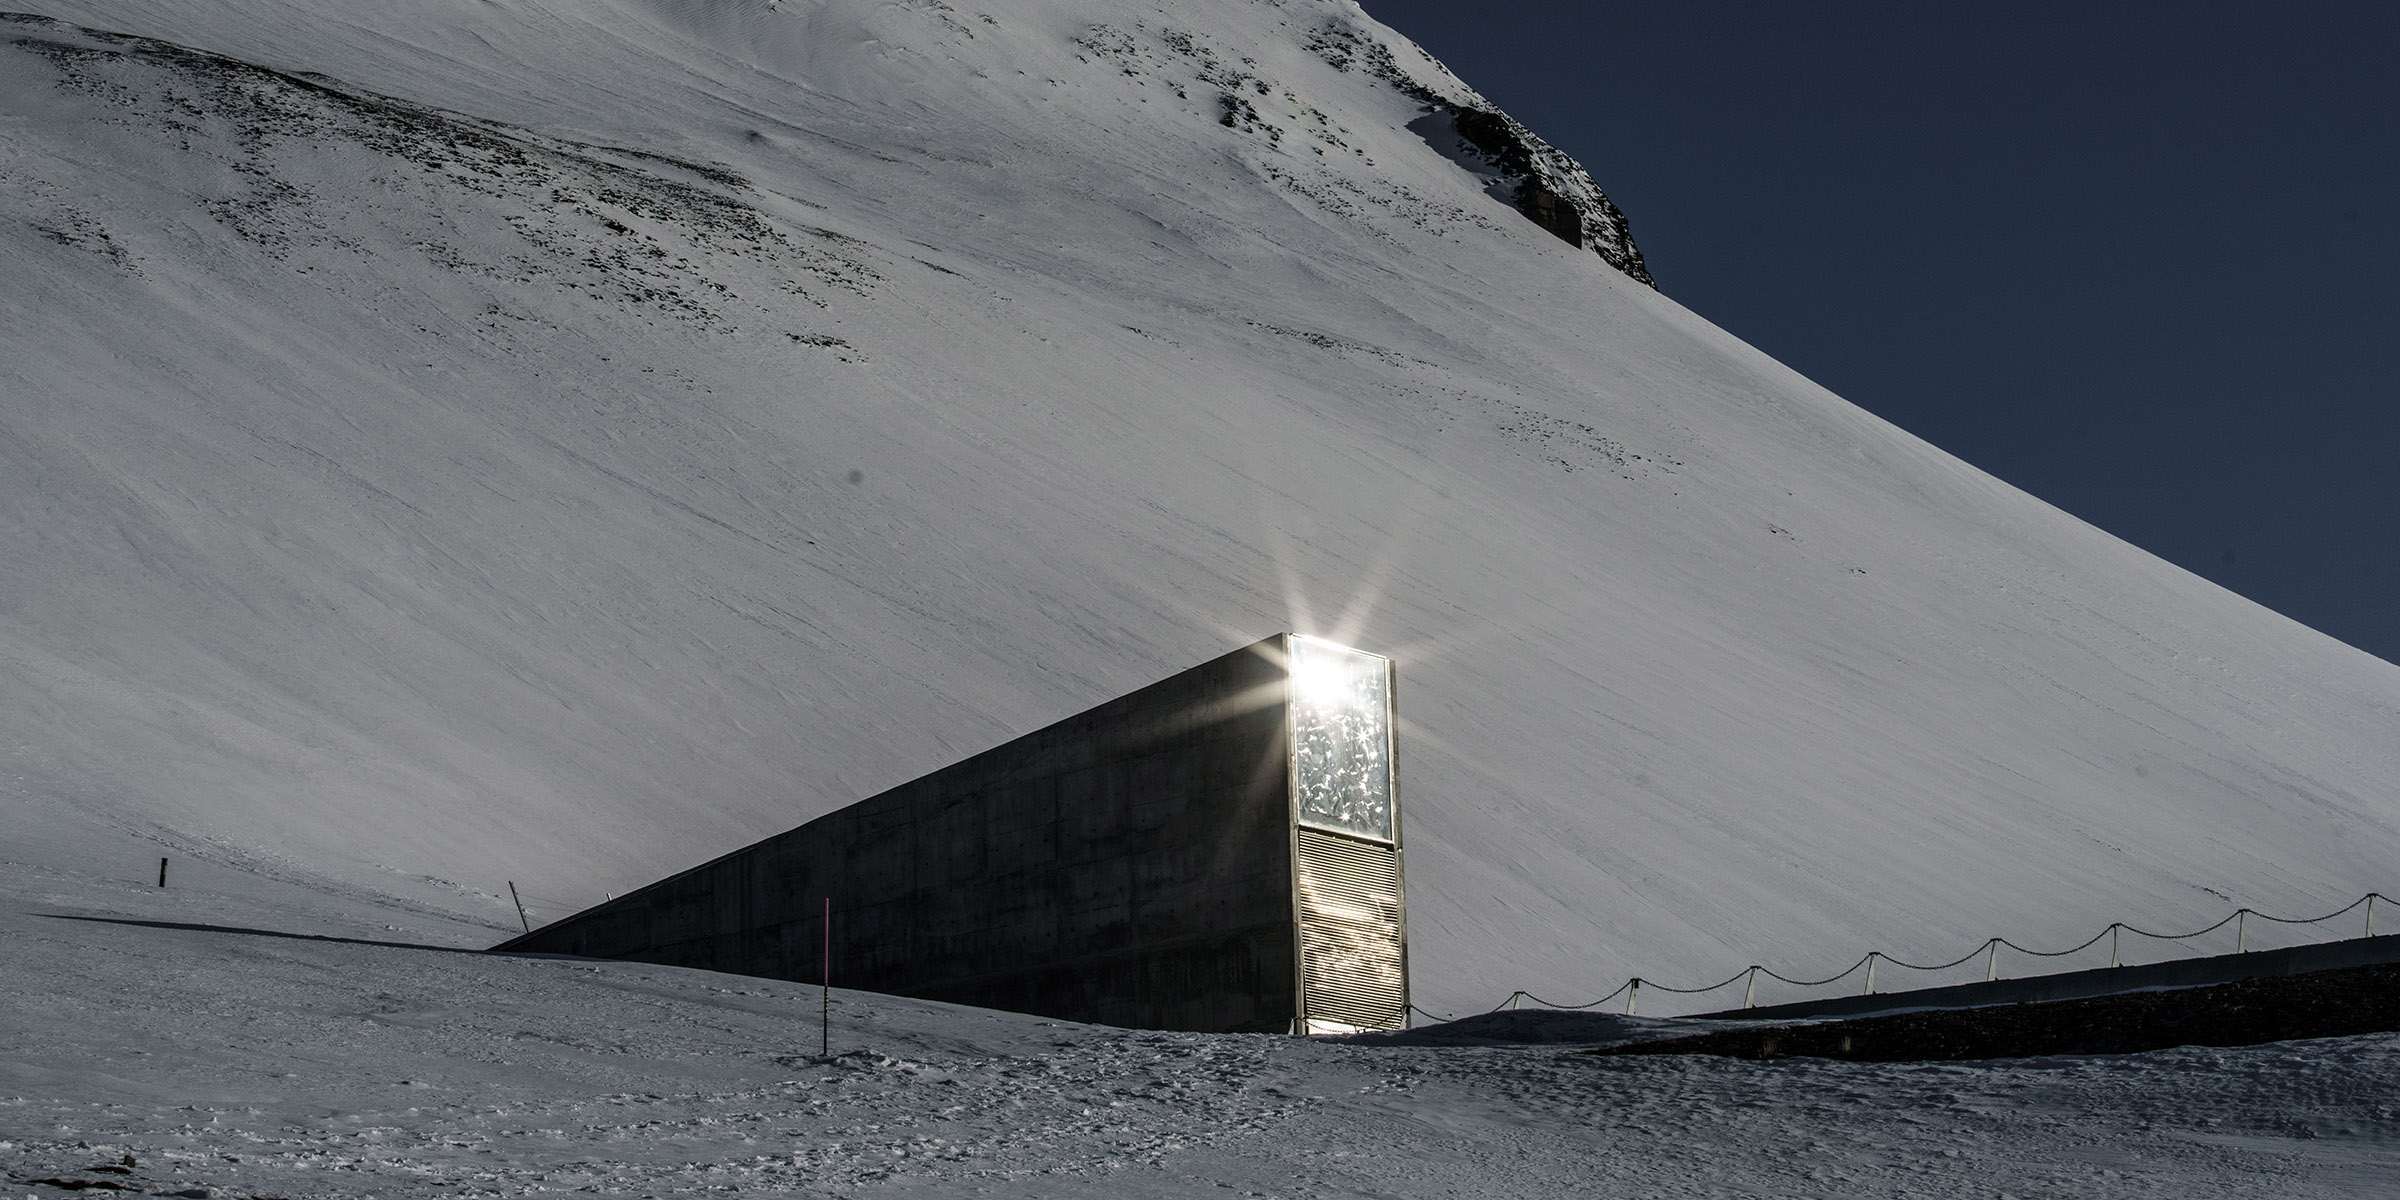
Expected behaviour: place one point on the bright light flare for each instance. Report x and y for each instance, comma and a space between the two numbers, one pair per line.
1320, 680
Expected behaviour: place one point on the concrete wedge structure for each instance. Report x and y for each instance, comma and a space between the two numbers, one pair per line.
1219, 851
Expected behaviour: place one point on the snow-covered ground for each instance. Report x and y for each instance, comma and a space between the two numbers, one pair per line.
189, 1030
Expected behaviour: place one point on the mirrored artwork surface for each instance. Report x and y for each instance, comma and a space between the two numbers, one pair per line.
1341, 739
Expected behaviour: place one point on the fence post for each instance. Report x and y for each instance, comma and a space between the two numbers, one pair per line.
825, 990
521, 918
1633, 995
2114, 959
2241, 931
1870, 974
2370, 914
1750, 993
1991, 968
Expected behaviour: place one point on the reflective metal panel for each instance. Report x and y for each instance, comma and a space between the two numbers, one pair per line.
1341, 738
1353, 966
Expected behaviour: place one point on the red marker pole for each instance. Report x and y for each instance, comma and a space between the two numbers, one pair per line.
825, 990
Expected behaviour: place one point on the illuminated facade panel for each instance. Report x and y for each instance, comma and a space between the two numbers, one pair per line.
1342, 739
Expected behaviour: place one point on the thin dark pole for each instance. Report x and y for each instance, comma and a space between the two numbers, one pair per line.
522, 919
162, 872
825, 990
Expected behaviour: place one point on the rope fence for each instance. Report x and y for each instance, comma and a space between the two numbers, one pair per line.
1631, 989
1749, 976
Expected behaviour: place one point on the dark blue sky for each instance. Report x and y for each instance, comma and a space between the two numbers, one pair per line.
2141, 260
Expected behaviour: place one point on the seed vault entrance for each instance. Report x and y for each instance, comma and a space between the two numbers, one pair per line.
1353, 926
1219, 851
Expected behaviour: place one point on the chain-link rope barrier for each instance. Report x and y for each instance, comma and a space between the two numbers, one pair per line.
1631, 989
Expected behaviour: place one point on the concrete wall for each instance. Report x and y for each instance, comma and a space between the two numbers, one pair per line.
1130, 866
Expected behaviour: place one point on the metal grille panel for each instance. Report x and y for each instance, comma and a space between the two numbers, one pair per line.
1352, 967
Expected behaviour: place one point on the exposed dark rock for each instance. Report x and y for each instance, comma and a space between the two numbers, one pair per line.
1550, 188
1547, 185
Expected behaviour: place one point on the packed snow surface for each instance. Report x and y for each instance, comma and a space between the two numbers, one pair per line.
189, 1031
471, 441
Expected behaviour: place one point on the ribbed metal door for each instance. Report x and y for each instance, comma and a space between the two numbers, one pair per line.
1352, 966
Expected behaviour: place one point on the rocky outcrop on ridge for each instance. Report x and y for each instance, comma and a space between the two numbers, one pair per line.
1545, 183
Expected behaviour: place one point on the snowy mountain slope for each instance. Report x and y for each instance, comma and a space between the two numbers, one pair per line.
453, 443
